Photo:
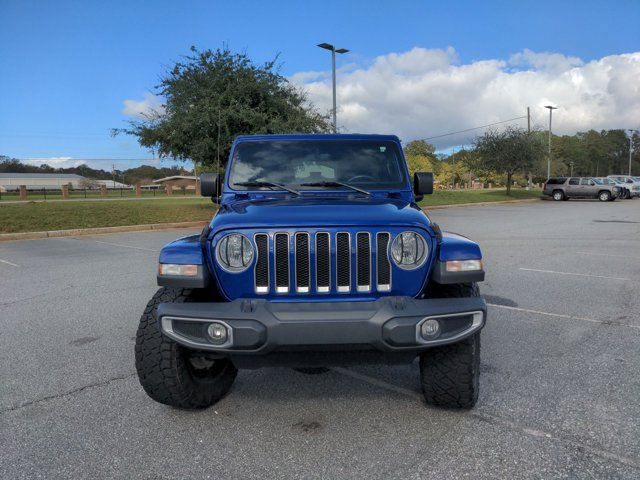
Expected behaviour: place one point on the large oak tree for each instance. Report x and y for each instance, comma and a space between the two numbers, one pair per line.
220, 91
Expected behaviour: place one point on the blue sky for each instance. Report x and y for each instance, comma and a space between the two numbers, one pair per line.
66, 67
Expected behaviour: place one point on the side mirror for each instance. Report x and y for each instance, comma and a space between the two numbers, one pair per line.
422, 184
210, 185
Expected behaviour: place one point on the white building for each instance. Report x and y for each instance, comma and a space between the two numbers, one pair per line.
50, 181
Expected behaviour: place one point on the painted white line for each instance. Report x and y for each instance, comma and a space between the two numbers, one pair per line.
495, 420
9, 263
378, 383
574, 274
561, 315
609, 255
127, 246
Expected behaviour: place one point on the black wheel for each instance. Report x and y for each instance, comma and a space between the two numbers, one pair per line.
604, 196
171, 374
558, 195
450, 374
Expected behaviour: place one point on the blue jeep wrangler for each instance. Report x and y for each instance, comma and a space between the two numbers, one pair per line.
318, 256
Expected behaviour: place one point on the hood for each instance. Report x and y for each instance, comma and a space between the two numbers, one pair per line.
318, 212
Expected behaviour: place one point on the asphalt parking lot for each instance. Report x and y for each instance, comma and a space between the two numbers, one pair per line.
560, 384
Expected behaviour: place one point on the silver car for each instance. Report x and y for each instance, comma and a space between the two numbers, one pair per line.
630, 182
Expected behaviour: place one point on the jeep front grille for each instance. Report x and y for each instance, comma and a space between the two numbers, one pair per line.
343, 262
383, 264
306, 250
323, 262
282, 262
261, 272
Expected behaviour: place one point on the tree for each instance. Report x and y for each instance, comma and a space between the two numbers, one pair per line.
420, 148
211, 91
420, 156
509, 151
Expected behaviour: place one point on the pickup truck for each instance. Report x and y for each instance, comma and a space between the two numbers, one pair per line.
318, 256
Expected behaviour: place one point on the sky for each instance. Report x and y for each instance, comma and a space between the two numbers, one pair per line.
70, 71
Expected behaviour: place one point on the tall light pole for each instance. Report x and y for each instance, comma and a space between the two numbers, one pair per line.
334, 50
551, 109
631, 132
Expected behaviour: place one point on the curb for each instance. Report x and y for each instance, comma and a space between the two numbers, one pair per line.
99, 230
480, 204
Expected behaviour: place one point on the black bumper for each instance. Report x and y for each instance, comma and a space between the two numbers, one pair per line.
260, 327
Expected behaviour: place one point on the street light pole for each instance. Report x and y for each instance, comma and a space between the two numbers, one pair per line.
551, 109
333, 50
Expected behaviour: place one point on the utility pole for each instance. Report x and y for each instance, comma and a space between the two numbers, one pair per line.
631, 132
113, 175
551, 109
333, 50
529, 131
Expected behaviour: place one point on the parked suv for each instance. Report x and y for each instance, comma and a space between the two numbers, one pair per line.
318, 256
630, 182
563, 188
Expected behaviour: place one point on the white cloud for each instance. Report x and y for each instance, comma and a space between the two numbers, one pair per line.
55, 162
148, 107
423, 93
96, 163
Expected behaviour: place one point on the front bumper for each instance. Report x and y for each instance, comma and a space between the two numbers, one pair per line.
259, 327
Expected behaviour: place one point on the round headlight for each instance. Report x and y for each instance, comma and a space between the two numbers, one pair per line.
234, 253
409, 250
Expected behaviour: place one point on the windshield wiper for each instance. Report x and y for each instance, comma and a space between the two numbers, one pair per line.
267, 184
334, 184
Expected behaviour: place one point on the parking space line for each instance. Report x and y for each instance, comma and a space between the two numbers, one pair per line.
9, 263
574, 274
609, 255
379, 383
127, 246
495, 420
561, 315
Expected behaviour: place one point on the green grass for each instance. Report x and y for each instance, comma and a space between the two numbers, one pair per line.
41, 216
453, 197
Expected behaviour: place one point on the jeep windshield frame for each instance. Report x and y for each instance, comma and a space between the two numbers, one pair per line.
366, 164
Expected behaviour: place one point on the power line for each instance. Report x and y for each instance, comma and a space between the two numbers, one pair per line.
476, 128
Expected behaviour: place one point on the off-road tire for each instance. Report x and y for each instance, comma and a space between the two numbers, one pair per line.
164, 368
604, 196
558, 195
450, 374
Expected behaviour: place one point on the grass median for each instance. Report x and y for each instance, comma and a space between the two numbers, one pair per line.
43, 216
455, 197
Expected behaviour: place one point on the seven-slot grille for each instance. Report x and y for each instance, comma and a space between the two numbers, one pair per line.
303, 248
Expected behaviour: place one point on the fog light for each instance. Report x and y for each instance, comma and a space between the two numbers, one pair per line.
218, 333
430, 329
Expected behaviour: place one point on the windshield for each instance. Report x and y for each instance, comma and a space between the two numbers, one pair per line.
368, 164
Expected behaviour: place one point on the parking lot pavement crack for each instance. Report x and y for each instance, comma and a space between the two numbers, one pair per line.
568, 317
67, 394
501, 422
599, 452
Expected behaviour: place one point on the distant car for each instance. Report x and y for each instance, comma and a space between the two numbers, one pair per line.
630, 182
624, 191
564, 188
